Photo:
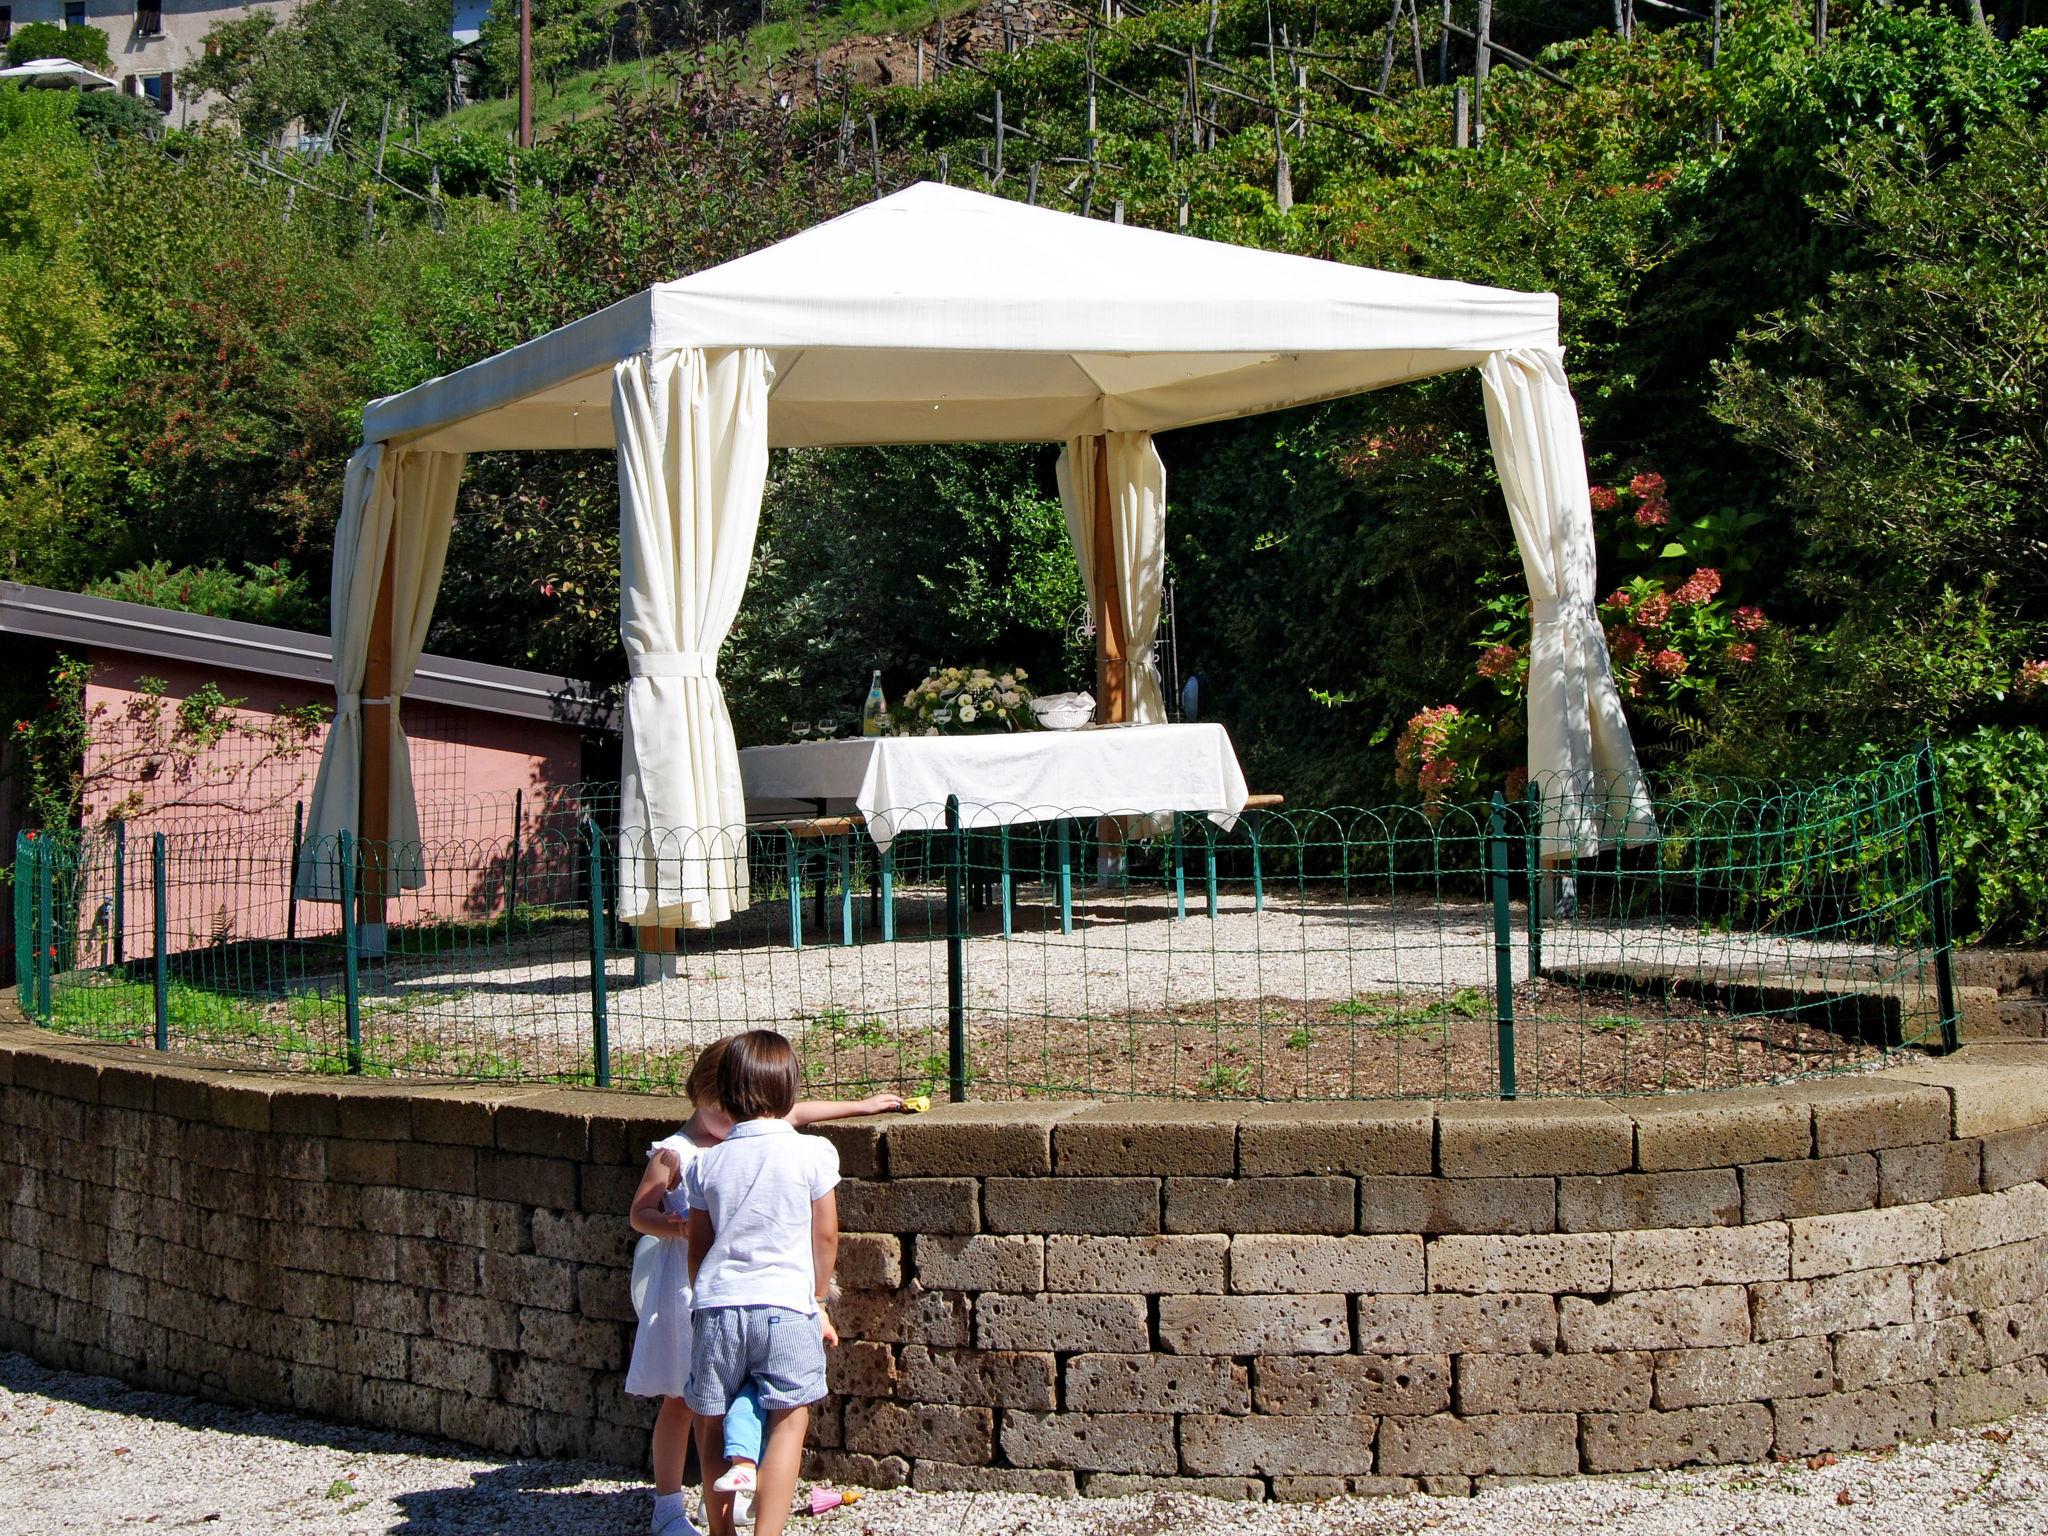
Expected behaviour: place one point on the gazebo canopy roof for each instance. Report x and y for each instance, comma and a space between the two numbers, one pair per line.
941, 315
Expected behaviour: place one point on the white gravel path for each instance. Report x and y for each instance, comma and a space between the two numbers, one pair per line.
85, 1455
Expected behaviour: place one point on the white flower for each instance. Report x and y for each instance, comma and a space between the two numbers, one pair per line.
1010, 697
966, 714
1022, 674
931, 730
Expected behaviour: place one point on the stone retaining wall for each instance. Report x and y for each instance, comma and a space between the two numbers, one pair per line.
1287, 1301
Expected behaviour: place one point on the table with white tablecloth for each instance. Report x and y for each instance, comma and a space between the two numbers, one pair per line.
900, 783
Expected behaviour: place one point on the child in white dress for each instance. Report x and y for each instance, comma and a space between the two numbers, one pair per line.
661, 1346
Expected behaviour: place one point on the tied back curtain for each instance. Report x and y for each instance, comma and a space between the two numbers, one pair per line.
1137, 516
404, 499
1579, 747
692, 430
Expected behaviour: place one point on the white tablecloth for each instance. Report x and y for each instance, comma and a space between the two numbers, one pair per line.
900, 783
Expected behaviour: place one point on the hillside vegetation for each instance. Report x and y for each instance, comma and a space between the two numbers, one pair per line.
1805, 300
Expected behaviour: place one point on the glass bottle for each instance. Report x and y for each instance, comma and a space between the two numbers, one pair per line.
874, 714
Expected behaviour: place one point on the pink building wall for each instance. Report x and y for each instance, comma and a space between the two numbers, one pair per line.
226, 811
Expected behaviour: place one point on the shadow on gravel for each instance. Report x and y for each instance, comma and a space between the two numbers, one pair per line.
523, 1499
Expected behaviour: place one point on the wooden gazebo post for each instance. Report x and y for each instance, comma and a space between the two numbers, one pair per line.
374, 835
1112, 655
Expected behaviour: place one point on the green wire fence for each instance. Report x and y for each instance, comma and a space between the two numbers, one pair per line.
1767, 931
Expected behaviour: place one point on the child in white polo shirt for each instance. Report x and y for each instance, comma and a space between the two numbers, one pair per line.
764, 1237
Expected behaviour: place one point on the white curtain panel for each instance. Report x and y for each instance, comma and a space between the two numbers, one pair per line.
692, 430
1137, 515
1579, 747
387, 493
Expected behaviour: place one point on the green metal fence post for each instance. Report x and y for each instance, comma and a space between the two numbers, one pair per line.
1180, 873
600, 1004
512, 868
291, 877
46, 927
1532, 843
956, 958
1503, 948
120, 913
351, 980
1937, 896
160, 929
1066, 876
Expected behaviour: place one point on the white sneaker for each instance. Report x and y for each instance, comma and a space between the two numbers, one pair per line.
738, 1478
742, 1508
674, 1522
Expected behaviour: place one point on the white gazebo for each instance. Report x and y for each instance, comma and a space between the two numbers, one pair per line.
933, 315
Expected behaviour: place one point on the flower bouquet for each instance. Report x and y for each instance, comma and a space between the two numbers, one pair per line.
960, 700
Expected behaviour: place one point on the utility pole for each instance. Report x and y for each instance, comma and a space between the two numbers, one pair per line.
526, 74
1482, 64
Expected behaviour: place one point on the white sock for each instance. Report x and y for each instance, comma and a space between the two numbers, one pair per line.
671, 1518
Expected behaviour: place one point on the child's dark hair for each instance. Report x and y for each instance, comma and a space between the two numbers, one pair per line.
757, 1077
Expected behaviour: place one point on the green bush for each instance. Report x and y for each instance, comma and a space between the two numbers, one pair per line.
47, 40
112, 115
1994, 784
267, 594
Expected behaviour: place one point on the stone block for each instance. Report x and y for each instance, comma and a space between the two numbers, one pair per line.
1338, 1443
1111, 1324
1494, 1444
1344, 1384
1430, 1206
1156, 1384
1255, 1325
1147, 1138
543, 1125
548, 1384
583, 1239
860, 1368
980, 1263
580, 1341
1284, 1203
1151, 1265
1441, 1325
1124, 1485
455, 1367
368, 1112
912, 1315
1830, 1245
1992, 1088
1533, 1137
445, 1169
1627, 1202
849, 1469
534, 1181
1939, 1170
868, 1261
947, 1206
1552, 1262
491, 1323
1697, 1317
1883, 1357
1870, 1114
860, 1143
2010, 1157
530, 1280
2013, 1333
1816, 1186
1714, 1130
1870, 1298
1994, 1394
1693, 1256
1013, 1139
1977, 1282
1854, 1421
1299, 1264
455, 1116
2015, 1215
983, 1378
240, 1104
1123, 1207
1602, 1383
1631, 1442
883, 1427
1363, 1139
1744, 1373
1317, 1490
949, 1477
362, 1162
1093, 1442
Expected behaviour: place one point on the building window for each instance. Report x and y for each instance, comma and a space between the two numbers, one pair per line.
6, 22
149, 18
74, 13
156, 90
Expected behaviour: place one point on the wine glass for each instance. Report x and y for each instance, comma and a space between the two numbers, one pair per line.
800, 729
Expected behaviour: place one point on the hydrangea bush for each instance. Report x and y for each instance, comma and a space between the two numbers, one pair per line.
965, 700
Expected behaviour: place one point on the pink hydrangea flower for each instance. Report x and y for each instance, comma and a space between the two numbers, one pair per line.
1619, 598
1653, 610
1750, 620
1699, 587
1498, 661
1668, 663
1648, 484
1742, 652
1603, 498
1624, 643
1653, 514
2033, 679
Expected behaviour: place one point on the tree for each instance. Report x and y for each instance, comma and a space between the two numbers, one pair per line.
47, 40
354, 54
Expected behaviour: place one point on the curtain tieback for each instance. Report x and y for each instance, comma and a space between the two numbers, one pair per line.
673, 664
1548, 610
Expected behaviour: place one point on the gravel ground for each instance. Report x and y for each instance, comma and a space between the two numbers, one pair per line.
87, 1455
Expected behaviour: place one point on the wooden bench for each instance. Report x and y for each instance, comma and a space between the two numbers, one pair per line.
1254, 806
